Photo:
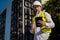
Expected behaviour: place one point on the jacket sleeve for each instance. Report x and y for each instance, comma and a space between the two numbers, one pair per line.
49, 23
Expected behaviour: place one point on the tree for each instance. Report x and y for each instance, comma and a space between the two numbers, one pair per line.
53, 7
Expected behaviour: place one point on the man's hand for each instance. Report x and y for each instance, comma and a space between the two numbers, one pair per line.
42, 22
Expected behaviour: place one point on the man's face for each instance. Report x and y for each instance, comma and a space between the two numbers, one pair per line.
37, 8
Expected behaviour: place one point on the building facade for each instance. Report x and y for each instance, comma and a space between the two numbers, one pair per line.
2, 24
17, 20
11, 21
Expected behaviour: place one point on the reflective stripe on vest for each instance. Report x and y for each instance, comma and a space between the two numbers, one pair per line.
44, 29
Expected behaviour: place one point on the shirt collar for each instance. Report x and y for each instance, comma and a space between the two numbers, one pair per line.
39, 13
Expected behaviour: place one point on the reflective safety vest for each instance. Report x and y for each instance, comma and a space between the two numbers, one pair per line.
44, 29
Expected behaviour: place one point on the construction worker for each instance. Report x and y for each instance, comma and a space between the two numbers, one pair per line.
41, 32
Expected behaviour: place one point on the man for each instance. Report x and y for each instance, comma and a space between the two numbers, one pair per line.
41, 32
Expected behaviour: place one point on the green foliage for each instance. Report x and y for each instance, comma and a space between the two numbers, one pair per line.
53, 7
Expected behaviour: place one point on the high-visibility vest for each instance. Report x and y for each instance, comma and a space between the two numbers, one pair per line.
44, 29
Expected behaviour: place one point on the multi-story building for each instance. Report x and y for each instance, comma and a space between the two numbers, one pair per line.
2, 24
11, 20
17, 20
